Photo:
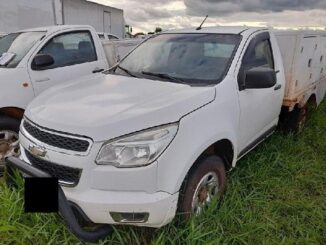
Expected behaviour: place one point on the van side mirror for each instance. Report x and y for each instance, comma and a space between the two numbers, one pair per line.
41, 61
260, 77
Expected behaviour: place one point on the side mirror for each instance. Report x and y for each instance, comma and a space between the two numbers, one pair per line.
260, 77
41, 61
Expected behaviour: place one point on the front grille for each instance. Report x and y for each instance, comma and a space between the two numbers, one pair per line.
63, 142
65, 174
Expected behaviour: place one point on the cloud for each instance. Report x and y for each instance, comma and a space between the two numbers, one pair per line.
145, 15
228, 7
142, 10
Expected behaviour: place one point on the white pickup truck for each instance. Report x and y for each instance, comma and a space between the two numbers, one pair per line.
36, 59
157, 133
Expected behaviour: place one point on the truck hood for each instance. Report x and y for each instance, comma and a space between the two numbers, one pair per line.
107, 106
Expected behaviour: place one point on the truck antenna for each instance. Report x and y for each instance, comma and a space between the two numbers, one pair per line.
199, 27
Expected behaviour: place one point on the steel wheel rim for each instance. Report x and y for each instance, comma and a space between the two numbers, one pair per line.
206, 190
9, 144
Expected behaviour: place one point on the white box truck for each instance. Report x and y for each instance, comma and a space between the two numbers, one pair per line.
156, 134
35, 59
25, 14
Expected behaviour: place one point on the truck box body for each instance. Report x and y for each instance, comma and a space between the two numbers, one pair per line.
22, 14
304, 59
116, 50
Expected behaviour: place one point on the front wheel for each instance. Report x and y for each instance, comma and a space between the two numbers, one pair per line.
204, 183
9, 146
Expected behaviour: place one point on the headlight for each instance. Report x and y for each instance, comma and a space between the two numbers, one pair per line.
139, 149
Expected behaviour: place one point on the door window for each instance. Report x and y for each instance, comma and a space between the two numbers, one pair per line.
259, 55
70, 49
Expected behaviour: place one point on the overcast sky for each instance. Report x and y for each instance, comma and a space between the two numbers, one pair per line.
145, 15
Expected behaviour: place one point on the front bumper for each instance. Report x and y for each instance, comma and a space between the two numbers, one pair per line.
65, 207
103, 191
99, 202
100, 206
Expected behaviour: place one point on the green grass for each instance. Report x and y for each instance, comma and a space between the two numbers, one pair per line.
276, 195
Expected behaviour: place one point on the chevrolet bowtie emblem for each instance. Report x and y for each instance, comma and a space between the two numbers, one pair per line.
37, 150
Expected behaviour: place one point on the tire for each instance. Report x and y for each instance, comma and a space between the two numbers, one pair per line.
298, 119
209, 165
7, 124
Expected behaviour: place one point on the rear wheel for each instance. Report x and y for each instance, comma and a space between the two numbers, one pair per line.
296, 120
9, 145
299, 119
204, 183
302, 118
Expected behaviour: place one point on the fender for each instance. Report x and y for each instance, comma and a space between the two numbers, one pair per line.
189, 154
197, 131
192, 161
16, 89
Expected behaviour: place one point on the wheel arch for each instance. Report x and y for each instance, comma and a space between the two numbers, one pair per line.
223, 148
14, 112
311, 99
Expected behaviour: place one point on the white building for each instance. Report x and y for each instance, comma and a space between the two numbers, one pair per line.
22, 14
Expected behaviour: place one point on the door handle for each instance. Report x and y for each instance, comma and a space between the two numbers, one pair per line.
278, 86
97, 70
45, 79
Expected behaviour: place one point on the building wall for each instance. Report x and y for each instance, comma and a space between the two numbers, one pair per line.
21, 14
83, 12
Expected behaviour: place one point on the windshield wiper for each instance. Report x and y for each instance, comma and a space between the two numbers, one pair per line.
126, 70
166, 76
6, 58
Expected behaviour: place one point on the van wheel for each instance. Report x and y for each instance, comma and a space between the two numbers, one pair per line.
9, 146
204, 183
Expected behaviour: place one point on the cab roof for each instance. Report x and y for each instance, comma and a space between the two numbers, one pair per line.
219, 30
55, 28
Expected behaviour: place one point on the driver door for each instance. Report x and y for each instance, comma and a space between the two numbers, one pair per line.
259, 108
74, 56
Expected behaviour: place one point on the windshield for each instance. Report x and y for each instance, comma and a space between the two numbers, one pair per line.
195, 59
18, 44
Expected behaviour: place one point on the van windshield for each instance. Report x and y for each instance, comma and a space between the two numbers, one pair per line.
195, 59
18, 44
